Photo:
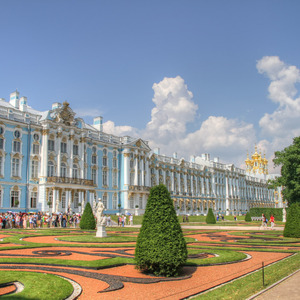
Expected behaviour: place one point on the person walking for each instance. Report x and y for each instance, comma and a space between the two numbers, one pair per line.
272, 221
264, 221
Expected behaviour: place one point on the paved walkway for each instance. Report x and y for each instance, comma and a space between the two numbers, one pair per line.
286, 289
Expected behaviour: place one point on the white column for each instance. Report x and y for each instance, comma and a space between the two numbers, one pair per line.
81, 155
148, 178
172, 180
44, 152
185, 181
57, 146
142, 171
197, 186
136, 169
192, 185
70, 146
227, 195
68, 200
126, 168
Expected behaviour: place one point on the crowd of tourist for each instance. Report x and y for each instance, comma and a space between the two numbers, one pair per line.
38, 220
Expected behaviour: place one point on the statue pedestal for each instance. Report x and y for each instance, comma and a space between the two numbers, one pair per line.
101, 232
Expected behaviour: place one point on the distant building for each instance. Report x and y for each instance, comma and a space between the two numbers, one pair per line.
257, 166
54, 162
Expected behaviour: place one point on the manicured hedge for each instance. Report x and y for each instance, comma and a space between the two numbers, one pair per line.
210, 218
258, 211
87, 221
248, 217
161, 248
292, 225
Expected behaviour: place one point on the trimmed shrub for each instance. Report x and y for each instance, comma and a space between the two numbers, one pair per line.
267, 211
161, 247
210, 218
292, 225
87, 220
248, 217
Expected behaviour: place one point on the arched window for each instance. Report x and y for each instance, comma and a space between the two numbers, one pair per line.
131, 178
50, 199
104, 177
76, 200
34, 169
115, 201
15, 167
75, 171
63, 170
51, 145
50, 169
16, 146
15, 198
33, 199
63, 200
104, 200
94, 175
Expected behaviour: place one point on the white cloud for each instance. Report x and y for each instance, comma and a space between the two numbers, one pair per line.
87, 112
221, 136
111, 128
284, 121
173, 109
230, 139
280, 127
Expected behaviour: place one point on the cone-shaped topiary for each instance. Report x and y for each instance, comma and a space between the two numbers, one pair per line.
292, 225
87, 220
248, 217
161, 247
210, 218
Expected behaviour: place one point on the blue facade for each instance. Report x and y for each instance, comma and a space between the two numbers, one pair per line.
54, 162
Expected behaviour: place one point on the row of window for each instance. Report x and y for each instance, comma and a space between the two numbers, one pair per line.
15, 199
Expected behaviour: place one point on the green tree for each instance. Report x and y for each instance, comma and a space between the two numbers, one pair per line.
292, 225
87, 220
210, 218
289, 160
161, 247
248, 217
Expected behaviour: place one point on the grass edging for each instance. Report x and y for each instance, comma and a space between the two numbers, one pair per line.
250, 284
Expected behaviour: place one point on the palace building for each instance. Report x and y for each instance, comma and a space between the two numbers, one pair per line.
52, 161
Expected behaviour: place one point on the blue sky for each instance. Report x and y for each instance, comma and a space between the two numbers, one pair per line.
217, 60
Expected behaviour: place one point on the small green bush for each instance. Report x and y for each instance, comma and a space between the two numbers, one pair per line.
248, 217
210, 218
87, 221
292, 225
160, 248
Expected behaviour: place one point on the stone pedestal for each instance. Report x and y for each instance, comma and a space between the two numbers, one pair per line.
101, 232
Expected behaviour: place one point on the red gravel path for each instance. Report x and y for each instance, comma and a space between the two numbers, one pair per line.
202, 277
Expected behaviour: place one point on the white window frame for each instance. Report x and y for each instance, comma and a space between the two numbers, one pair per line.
15, 167
50, 169
33, 199
34, 169
16, 196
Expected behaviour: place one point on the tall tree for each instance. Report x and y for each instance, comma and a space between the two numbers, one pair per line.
289, 160
161, 247
87, 220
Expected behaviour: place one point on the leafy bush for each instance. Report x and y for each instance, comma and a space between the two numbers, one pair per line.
210, 218
88, 220
292, 225
161, 248
267, 211
248, 217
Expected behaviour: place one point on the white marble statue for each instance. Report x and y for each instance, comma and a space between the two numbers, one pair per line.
284, 215
99, 208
